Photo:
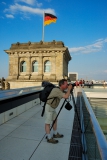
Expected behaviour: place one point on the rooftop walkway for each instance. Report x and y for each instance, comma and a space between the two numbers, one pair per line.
20, 137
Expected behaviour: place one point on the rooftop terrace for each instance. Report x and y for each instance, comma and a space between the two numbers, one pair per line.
22, 134
21, 137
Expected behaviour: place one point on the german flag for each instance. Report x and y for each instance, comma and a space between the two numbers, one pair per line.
49, 18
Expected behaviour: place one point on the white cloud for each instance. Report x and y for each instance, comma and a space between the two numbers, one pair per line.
105, 40
17, 8
25, 16
39, 4
4, 3
105, 71
95, 47
30, 2
9, 16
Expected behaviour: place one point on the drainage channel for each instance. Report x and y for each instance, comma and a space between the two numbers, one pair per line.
75, 152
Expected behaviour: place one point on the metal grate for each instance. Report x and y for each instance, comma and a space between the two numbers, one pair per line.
75, 152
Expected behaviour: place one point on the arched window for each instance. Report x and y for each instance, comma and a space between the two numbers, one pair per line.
23, 66
35, 66
47, 66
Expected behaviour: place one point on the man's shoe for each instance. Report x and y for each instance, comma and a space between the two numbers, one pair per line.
52, 141
58, 135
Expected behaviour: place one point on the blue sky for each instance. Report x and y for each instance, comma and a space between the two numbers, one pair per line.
81, 25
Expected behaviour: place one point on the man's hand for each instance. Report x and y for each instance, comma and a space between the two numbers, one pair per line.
70, 87
67, 94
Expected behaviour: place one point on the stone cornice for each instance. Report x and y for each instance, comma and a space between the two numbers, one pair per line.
14, 52
46, 49
39, 53
36, 50
39, 45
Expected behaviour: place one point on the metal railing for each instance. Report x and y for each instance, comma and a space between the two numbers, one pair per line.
96, 141
6, 94
87, 141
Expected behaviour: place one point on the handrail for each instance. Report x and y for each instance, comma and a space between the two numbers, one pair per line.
6, 94
100, 138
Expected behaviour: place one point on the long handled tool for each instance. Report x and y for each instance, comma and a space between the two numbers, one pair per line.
57, 115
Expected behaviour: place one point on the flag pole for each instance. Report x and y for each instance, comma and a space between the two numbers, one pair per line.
43, 27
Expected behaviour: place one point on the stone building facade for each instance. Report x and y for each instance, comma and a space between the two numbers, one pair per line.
32, 63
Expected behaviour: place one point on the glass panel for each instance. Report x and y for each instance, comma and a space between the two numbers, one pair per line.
47, 67
48, 62
23, 67
35, 66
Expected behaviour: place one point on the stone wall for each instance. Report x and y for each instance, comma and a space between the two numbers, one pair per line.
41, 52
19, 84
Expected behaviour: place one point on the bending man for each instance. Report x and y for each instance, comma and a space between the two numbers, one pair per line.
50, 112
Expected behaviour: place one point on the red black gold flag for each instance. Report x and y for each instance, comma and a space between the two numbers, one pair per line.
49, 18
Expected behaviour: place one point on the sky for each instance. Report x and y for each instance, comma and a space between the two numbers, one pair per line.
81, 25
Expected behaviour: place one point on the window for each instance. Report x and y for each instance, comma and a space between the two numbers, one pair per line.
47, 66
23, 66
35, 66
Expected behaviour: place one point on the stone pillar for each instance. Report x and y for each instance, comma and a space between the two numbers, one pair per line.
65, 64
13, 71
29, 65
53, 68
40, 65
16, 66
40, 69
27, 76
59, 66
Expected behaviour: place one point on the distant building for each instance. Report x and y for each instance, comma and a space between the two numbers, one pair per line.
32, 63
73, 76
